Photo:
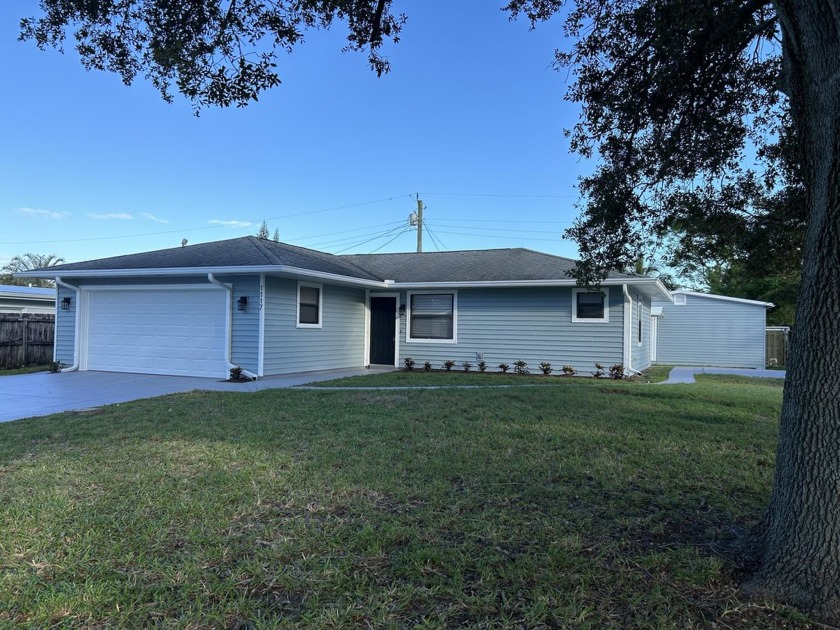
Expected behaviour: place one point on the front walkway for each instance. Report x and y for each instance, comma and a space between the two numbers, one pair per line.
42, 393
684, 374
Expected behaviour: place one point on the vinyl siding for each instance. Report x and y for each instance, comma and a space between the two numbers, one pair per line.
711, 332
338, 343
532, 324
245, 325
640, 354
65, 328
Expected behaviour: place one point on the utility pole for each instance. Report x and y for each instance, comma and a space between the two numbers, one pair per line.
419, 224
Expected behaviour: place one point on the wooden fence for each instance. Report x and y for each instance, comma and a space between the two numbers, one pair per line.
777, 346
26, 339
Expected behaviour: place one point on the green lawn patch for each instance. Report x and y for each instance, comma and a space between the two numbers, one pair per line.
608, 505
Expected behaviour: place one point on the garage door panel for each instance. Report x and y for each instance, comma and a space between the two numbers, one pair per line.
178, 332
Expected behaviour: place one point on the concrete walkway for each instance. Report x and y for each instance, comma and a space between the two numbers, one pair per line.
42, 393
684, 374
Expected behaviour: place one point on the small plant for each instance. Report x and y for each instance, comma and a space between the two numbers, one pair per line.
466, 365
569, 370
599, 371
55, 366
447, 365
236, 373
520, 367
617, 371
427, 366
504, 367
409, 364
482, 365
545, 366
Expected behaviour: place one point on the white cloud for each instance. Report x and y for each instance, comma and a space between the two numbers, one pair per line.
232, 224
40, 212
151, 217
108, 216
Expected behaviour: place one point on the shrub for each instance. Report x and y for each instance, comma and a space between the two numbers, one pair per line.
466, 365
520, 367
447, 365
427, 366
236, 373
599, 371
482, 365
409, 364
55, 366
545, 366
617, 371
569, 370
504, 367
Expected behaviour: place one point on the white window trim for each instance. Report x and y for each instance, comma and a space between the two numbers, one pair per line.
320, 288
591, 320
454, 294
679, 299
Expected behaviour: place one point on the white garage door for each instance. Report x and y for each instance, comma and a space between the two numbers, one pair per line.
157, 331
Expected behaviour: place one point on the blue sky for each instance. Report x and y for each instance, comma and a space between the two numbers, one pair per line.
471, 118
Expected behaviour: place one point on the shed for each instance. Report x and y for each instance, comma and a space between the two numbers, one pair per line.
703, 329
18, 299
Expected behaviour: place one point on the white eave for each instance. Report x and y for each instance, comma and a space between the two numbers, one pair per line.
650, 287
274, 270
724, 298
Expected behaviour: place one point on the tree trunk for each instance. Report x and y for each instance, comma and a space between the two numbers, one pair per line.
800, 532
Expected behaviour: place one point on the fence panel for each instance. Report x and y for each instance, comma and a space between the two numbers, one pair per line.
26, 339
777, 347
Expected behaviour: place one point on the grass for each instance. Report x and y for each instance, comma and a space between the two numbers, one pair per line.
29, 369
588, 505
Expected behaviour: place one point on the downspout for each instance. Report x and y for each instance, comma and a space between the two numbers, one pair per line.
77, 325
229, 331
628, 332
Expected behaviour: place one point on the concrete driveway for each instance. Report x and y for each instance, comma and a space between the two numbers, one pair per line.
42, 393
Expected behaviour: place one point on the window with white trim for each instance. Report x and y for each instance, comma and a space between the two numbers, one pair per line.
309, 302
431, 317
679, 299
591, 306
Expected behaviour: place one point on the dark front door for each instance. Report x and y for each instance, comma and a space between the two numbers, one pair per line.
383, 330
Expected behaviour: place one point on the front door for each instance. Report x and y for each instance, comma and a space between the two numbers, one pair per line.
383, 330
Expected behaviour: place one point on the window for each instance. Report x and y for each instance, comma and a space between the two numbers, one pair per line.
309, 305
431, 316
679, 299
590, 306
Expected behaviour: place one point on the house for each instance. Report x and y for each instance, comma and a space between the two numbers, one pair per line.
273, 308
16, 299
703, 329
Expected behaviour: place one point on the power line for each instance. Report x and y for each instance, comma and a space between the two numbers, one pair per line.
547, 240
391, 241
512, 195
383, 235
438, 243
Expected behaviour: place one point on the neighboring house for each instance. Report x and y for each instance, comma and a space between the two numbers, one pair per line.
273, 308
16, 299
703, 329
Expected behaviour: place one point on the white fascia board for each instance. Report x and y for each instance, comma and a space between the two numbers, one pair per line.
296, 272
724, 298
652, 286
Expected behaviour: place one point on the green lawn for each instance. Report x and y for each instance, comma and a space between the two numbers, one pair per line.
587, 505
29, 369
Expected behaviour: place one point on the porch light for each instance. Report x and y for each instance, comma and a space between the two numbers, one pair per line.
65, 303
242, 303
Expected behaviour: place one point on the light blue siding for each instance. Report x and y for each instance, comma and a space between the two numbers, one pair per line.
711, 332
532, 324
338, 343
245, 325
640, 354
65, 328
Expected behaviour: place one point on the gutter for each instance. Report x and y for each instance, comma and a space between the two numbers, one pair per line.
228, 331
78, 320
628, 332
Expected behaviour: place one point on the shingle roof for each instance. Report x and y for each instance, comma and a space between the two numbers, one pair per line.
485, 265
249, 251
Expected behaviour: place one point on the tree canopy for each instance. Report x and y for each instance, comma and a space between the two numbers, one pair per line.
28, 262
